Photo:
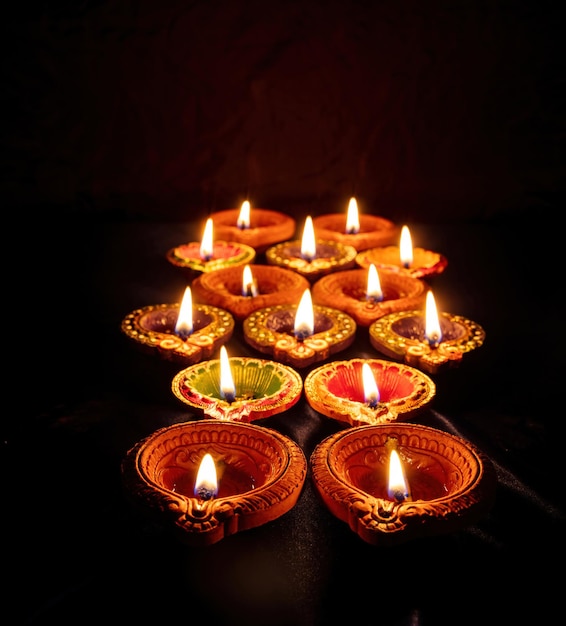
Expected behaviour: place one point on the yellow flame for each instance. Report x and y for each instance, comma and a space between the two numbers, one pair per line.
353, 220
373, 285
308, 242
397, 486
207, 246
432, 323
371, 390
184, 325
244, 216
227, 386
249, 284
304, 318
406, 247
206, 483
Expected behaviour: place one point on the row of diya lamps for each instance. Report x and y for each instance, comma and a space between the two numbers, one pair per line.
390, 480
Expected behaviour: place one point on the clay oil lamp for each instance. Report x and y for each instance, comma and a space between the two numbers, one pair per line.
245, 290
426, 339
367, 294
184, 333
311, 257
361, 231
210, 254
404, 258
205, 480
299, 335
368, 391
238, 388
257, 228
399, 482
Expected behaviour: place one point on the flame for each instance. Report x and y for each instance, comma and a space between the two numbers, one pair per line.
397, 486
371, 391
249, 283
184, 325
227, 387
373, 293
206, 246
206, 484
304, 318
433, 334
406, 247
353, 220
244, 216
308, 243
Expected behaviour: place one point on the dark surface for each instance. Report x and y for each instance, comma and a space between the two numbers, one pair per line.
75, 552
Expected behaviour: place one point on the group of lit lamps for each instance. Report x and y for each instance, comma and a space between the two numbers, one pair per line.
390, 481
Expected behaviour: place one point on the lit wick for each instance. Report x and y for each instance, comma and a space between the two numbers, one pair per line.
397, 489
207, 246
304, 318
249, 284
433, 334
371, 391
406, 248
206, 484
244, 216
308, 242
352, 220
227, 387
184, 325
373, 293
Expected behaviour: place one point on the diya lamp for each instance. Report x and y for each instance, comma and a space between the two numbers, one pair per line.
299, 335
240, 389
210, 254
184, 333
205, 480
368, 391
257, 228
404, 258
245, 290
397, 482
367, 294
359, 231
311, 257
428, 341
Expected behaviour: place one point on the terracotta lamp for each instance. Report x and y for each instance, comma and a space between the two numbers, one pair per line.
394, 483
361, 231
203, 481
299, 335
245, 290
181, 332
238, 388
368, 391
257, 228
209, 254
368, 294
426, 339
311, 257
417, 262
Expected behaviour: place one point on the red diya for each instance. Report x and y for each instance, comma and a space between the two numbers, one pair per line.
257, 228
228, 289
259, 388
352, 291
359, 231
339, 390
280, 331
311, 257
154, 329
256, 476
405, 335
444, 485
417, 262
210, 254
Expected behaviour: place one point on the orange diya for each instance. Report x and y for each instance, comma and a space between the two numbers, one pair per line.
393, 483
238, 388
205, 480
180, 332
367, 295
257, 228
210, 254
361, 231
404, 258
243, 290
368, 391
428, 340
311, 257
299, 335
